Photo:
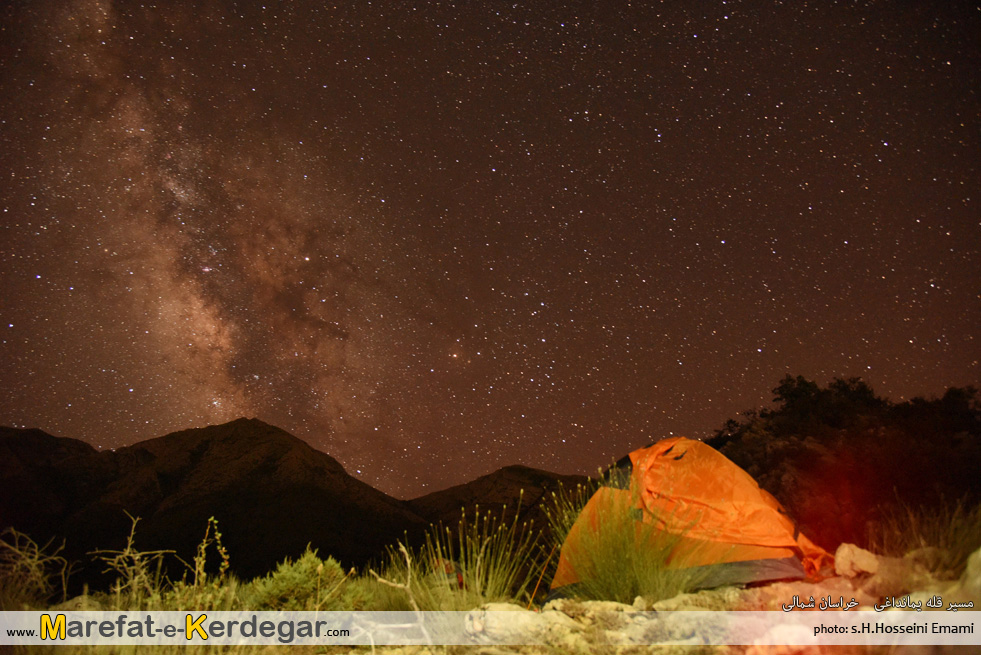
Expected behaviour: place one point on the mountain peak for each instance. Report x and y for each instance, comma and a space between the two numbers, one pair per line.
271, 492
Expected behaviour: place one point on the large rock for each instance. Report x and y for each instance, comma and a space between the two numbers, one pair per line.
852, 561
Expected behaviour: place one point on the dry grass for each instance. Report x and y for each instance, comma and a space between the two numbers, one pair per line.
942, 538
30, 575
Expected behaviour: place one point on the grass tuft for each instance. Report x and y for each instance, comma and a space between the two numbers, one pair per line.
563, 509
627, 557
941, 538
620, 552
487, 558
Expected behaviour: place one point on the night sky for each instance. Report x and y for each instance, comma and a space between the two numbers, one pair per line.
433, 240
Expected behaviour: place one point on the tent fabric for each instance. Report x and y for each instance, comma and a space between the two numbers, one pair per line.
715, 513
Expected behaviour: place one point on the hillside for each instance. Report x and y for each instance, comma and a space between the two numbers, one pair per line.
493, 491
271, 493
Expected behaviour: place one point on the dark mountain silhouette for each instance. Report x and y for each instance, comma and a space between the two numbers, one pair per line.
838, 458
491, 492
271, 493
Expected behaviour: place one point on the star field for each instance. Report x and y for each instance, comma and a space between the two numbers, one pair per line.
436, 239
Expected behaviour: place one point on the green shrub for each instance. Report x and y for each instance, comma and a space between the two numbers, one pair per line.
377, 596
308, 584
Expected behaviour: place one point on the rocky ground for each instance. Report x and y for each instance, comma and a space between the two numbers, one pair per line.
863, 580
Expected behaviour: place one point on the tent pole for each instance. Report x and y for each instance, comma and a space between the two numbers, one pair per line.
544, 568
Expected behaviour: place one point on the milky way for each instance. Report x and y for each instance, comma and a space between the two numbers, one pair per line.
434, 240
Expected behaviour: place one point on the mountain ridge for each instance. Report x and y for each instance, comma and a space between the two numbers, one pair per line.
271, 492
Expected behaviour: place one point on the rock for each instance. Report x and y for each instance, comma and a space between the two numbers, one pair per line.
564, 633
897, 576
774, 597
601, 606
503, 607
501, 622
940, 649
788, 633
505, 622
852, 561
723, 598
569, 606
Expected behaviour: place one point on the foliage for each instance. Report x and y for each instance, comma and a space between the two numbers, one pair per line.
379, 596
806, 409
308, 584
26, 572
405, 597
203, 592
486, 559
837, 456
940, 538
563, 509
491, 552
139, 574
958, 411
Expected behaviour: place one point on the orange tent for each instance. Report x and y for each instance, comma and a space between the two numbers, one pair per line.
716, 514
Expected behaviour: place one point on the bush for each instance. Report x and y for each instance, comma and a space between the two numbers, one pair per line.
28, 572
308, 584
490, 554
381, 597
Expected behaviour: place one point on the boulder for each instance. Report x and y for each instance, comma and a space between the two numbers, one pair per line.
852, 561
